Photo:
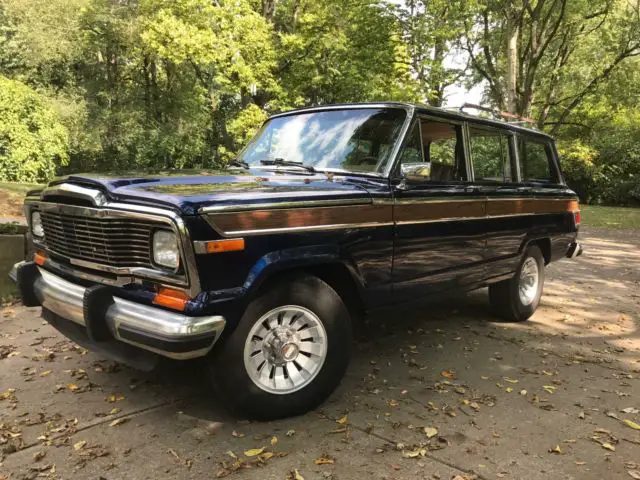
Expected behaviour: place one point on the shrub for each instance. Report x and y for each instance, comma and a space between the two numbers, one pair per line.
33, 142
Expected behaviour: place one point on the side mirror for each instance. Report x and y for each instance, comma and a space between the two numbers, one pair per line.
417, 172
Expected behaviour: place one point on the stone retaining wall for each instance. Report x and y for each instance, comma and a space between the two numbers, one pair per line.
13, 248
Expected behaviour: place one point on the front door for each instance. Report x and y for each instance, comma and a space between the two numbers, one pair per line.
438, 214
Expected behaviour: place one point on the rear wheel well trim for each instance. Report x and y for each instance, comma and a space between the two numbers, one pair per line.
543, 243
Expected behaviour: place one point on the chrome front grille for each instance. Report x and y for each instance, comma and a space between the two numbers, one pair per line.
116, 242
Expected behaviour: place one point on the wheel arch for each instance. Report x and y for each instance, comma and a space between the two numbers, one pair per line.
543, 243
341, 275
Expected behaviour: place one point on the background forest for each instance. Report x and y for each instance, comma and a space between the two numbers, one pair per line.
99, 85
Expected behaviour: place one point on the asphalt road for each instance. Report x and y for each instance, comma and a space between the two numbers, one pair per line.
441, 392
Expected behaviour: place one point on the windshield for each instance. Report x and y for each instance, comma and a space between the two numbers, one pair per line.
355, 140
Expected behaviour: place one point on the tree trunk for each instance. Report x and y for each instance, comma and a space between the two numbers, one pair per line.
269, 9
513, 32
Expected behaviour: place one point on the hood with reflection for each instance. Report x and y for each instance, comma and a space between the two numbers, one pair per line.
192, 190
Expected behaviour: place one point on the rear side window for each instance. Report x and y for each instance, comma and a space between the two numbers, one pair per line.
535, 161
491, 155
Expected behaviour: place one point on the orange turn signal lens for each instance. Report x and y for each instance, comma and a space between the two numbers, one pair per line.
39, 258
231, 245
170, 298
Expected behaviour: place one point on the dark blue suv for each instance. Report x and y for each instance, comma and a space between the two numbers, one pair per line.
328, 213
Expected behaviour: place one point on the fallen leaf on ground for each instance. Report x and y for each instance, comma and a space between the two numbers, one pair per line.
631, 424
73, 387
237, 434
634, 474
393, 403
118, 421
294, 475
430, 432
549, 388
450, 374
418, 452
290, 433
254, 452
608, 446
274, 440
184, 461
114, 398
79, 445
557, 449
342, 420
38, 456
511, 380
324, 460
46, 373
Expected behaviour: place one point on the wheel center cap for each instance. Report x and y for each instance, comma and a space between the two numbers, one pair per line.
289, 351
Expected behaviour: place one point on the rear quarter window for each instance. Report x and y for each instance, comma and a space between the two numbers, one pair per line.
536, 161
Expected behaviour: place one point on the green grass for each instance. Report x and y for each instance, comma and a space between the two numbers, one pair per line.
18, 188
610, 217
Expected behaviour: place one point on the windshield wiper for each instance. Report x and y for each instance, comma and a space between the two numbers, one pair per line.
281, 162
239, 163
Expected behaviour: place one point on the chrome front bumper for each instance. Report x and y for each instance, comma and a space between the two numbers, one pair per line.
166, 333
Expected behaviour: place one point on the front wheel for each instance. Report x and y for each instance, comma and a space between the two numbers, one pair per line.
517, 298
288, 353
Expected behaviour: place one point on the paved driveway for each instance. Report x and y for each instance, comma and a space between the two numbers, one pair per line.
439, 393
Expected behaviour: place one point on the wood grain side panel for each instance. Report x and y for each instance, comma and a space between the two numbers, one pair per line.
434, 211
301, 217
530, 206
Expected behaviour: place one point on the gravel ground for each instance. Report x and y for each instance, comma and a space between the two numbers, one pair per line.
441, 392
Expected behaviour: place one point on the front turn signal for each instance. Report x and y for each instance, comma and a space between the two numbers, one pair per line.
39, 258
171, 298
231, 245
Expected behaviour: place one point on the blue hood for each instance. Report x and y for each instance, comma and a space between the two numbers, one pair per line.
187, 192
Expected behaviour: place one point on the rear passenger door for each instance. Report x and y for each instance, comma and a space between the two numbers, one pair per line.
438, 214
493, 158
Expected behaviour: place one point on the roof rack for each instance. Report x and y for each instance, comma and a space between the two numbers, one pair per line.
500, 115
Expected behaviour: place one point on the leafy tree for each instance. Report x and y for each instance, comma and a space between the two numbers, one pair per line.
544, 58
33, 142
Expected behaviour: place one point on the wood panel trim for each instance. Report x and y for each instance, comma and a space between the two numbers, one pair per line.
381, 214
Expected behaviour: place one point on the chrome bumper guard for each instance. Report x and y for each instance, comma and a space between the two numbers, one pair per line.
575, 250
166, 333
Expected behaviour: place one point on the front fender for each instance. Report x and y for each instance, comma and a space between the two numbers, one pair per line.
269, 265
294, 258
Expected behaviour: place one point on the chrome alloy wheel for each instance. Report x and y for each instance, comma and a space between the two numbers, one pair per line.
285, 349
529, 279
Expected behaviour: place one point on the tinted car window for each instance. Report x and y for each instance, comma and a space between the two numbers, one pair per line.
436, 150
535, 161
351, 139
491, 155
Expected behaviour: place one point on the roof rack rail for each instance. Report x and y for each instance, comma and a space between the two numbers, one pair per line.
500, 115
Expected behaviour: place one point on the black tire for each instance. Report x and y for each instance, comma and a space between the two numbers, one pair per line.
227, 367
504, 297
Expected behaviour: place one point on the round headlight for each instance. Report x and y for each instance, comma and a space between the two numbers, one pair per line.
36, 225
165, 249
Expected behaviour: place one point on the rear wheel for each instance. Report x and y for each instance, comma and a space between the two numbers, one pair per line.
517, 298
288, 353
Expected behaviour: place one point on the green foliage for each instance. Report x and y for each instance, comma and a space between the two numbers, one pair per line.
159, 84
33, 142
